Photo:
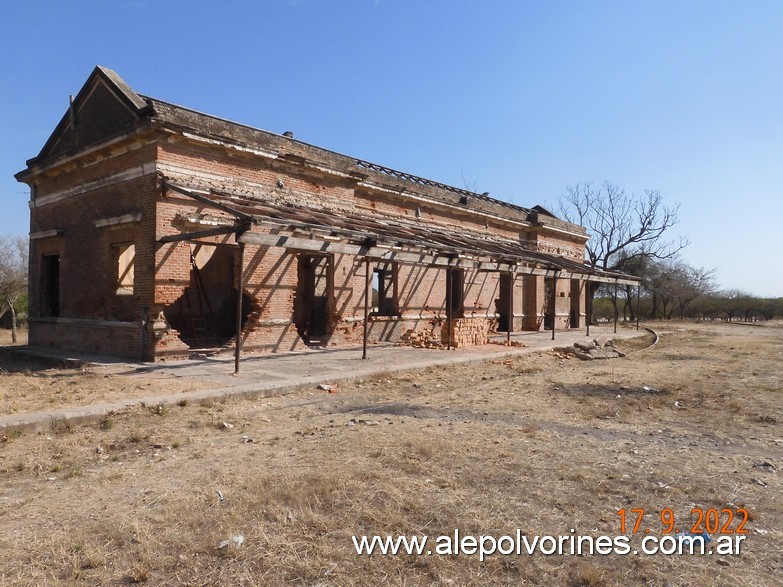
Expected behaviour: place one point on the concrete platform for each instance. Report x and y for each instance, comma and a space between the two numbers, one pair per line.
273, 374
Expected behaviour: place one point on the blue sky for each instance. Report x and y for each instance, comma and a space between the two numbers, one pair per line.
520, 99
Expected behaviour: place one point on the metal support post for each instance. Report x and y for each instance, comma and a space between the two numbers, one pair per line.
638, 303
240, 288
554, 303
588, 305
510, 320
367, 293
615, 307
449, 280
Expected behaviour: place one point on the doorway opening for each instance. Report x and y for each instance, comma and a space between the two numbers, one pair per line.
576, 296
456, 300
549, 306
504, 299
384, 290
314, 299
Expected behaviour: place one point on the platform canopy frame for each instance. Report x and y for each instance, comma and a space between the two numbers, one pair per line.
258, 221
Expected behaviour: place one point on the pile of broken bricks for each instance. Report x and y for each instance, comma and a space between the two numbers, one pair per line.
420, 340
514, 343
598, 348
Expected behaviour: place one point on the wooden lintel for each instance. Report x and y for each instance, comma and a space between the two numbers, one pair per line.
207, 201
187, 236
315, 246
331, 247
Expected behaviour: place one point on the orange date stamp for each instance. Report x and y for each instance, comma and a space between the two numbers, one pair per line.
710, 520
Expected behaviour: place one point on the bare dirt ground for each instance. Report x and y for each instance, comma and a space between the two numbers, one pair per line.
26, 386
5, 337
537, 443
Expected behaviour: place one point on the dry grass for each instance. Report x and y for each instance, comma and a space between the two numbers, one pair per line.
535, 443
5, 337
30, 386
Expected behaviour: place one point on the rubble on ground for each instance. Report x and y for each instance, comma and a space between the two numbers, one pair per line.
504, 342
420, 340
599, 348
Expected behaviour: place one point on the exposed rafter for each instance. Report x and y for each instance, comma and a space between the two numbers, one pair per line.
353, 233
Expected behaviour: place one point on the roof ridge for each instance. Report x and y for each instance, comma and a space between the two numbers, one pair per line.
361, 163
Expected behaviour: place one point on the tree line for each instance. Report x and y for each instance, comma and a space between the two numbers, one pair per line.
672, 289
630, 233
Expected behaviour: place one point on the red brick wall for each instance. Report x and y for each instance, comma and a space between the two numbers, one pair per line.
162, 271
271, 278
112, 338
88, 269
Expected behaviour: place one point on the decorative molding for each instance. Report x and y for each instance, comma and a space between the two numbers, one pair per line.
46, 234
131, 218
134, 173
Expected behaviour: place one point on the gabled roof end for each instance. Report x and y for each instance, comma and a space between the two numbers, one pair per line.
122, 88
541, 210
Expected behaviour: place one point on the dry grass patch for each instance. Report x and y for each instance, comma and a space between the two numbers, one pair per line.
29, 388
533, 442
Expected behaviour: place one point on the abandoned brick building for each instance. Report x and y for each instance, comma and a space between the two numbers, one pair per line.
147, 220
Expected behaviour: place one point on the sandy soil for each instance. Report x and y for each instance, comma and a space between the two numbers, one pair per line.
537, 443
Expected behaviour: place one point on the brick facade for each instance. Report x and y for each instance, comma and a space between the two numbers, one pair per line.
98, 193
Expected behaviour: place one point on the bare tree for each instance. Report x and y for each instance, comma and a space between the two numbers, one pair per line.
623, 228
626, 231
661, 282
733, 302
13, 276
674, 285
690, 283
